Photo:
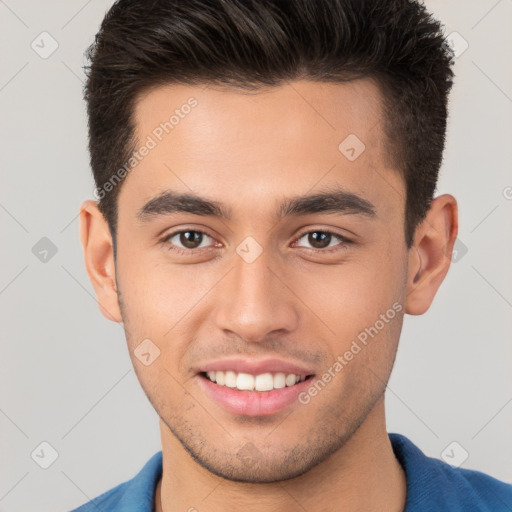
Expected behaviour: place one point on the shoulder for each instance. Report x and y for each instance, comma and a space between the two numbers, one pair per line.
107, 501
134, 495
435, 485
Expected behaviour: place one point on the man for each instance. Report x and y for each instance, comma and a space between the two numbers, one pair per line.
266, 172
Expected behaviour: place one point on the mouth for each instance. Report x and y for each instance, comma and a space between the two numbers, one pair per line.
247, 382
247, 394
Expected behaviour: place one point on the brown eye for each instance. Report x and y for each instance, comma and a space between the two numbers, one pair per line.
190, 239
321, 240
186, 239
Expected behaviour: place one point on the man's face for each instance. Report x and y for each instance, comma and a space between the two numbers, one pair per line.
253, 287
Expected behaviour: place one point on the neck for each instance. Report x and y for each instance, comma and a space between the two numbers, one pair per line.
362, 475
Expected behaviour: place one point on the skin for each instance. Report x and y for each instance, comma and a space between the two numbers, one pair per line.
249, 152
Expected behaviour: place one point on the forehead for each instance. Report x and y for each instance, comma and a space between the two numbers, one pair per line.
243, 147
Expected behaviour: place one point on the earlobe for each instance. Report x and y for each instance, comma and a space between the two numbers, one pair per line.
99, 259
430, 255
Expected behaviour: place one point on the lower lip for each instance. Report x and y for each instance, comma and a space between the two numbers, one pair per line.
253, 403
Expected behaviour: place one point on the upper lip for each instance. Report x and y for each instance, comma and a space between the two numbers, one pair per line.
256, 366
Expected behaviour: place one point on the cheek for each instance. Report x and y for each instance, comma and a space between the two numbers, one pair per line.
362, 302
163, 303
157, 295
353, 296
164, 387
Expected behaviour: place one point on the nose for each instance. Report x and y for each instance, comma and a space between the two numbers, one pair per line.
254, 300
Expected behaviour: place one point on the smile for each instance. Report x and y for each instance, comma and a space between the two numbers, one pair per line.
244, 394
247, 382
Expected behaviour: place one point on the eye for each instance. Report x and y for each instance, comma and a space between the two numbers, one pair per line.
186, 241
321, 240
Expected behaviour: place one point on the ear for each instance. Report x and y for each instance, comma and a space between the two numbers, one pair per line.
99, 259
431, 253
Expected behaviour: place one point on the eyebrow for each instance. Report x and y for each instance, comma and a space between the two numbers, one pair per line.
330, 201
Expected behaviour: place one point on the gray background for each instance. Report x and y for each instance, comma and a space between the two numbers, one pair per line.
66, 378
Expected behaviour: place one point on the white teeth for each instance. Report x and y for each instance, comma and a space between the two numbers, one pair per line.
290, 379
230, 379
248, 382
264, 382
245, 381
279, 380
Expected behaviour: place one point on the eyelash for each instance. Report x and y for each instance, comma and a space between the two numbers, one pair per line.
344, 245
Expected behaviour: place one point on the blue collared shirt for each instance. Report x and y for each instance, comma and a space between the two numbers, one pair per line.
432, 486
